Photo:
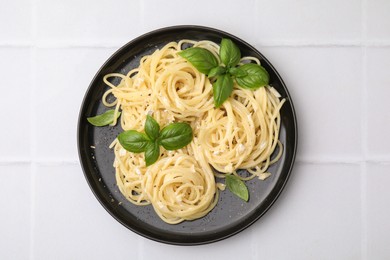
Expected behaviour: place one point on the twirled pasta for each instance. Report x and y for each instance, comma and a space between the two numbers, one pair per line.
242, 134
179, 188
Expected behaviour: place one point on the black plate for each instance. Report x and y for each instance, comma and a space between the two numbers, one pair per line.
231, 215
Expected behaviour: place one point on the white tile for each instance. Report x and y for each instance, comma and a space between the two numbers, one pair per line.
15, 25
236, 247
325, 84
378, 211
318, 216
62, 78
15, 211
15, 103
231, 16
89, 21
71, 224
378, 106
378, 22
306, 20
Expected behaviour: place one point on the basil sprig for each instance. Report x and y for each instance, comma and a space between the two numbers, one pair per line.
237, 187
222, 88
202, 59
255, 75
172, 137
134, 141
104, 119
175, 136
229, 52
248, 76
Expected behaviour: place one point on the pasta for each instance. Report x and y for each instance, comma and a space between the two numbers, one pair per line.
241, 134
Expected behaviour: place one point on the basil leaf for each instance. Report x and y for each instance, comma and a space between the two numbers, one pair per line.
222, 88
152, 153
229, 52
134, 141
238, 72
103, 119
152, 128
256, 76
175, 136
237, 187
216, 71
202, 59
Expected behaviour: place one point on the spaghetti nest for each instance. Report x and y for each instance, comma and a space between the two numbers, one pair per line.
241, 134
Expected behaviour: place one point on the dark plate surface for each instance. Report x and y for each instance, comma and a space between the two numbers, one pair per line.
231, 215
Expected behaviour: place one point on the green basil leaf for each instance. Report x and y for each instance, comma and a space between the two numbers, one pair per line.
152, 153
237, 187
202, 59
237, 72
222, 88
256, 76
104, 119
175, 136
152, 128
134, 141
229, 52
217, 71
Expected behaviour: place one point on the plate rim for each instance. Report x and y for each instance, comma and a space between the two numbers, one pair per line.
88, 176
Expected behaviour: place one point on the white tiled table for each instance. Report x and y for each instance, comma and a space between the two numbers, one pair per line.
334, 57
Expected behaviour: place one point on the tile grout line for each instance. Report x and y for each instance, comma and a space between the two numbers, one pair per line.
60, 162
364, 135
32, 154
33, 166
253, 248
142, 13
141, 240
48, 44
41, 162
33, 169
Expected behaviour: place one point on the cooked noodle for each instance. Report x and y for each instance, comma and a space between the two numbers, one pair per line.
242, 134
